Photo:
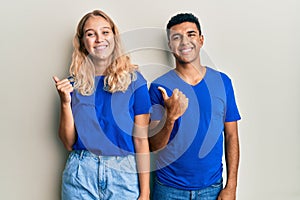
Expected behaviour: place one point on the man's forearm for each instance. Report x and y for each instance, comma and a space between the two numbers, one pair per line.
159, 137
232, 155
232, 160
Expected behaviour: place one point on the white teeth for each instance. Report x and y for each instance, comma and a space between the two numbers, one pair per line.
100, 47
186, 50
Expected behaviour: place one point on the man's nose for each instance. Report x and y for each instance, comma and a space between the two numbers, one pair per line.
185, 39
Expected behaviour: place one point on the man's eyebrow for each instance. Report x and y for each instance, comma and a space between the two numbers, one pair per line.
192, 31
174, 34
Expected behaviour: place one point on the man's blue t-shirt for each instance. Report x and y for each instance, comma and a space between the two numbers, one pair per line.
104, 121
193, 157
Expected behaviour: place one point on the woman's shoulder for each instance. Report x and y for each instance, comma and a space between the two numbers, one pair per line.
138, 78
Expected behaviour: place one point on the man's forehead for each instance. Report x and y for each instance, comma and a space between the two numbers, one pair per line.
184, 28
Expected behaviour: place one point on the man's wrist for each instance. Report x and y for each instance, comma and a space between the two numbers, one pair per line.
231, 186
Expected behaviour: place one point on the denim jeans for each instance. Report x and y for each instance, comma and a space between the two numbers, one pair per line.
88, 176
163, 192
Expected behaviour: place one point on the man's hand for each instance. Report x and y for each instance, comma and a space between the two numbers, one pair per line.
227, 194
175, 105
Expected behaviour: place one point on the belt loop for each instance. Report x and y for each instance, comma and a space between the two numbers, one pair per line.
81, 154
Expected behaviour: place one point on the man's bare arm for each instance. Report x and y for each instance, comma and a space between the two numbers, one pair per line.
160, 131
232, 155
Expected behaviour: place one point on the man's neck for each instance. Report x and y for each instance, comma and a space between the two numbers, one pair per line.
190, 73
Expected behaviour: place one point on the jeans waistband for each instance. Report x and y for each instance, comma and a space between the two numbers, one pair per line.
86, 153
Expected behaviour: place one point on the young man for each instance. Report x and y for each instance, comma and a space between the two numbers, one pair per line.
188, 134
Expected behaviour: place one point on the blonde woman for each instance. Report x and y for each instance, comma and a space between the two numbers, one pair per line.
104, 117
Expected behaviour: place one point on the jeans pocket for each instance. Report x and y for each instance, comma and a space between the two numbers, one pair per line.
70, 163
218, 184
132, 165
158, 182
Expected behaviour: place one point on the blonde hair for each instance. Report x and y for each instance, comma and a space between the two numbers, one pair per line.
118, 75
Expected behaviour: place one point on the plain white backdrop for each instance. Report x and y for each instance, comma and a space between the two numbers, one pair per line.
255, 42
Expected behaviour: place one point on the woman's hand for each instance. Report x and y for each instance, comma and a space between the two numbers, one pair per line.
64, 88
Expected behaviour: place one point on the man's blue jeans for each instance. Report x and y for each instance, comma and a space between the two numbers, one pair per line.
163, 192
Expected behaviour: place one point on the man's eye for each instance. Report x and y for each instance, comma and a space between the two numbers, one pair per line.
176, 37
192, 34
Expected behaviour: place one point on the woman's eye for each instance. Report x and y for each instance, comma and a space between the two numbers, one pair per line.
90, 34
106, 32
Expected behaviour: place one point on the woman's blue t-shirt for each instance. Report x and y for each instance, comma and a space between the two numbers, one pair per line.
104, 121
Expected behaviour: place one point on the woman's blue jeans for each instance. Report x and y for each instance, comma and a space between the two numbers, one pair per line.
88, 176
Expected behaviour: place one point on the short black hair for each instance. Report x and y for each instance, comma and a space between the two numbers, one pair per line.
183, 17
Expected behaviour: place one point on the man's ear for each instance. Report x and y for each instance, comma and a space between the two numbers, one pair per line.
201, 38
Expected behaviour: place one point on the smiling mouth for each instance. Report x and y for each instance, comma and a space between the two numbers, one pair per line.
185, 50
101, 47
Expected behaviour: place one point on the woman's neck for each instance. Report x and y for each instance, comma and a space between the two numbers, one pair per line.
100, 66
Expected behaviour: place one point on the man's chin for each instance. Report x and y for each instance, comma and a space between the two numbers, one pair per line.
185, 61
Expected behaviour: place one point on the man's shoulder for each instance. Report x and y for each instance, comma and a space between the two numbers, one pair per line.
214, 72
165, 77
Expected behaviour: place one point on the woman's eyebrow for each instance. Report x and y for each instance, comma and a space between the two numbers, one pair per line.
91, 29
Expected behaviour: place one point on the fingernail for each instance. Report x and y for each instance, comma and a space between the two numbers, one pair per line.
71, 79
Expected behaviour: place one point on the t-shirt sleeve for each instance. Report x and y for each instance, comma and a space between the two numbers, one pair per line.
157, 102
142, 104
232, 112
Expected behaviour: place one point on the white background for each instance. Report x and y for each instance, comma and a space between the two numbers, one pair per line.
255, 42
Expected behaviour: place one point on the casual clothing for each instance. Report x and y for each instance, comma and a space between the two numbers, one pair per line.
192, 160
88, 176
104, 146
109, 117
165, 192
